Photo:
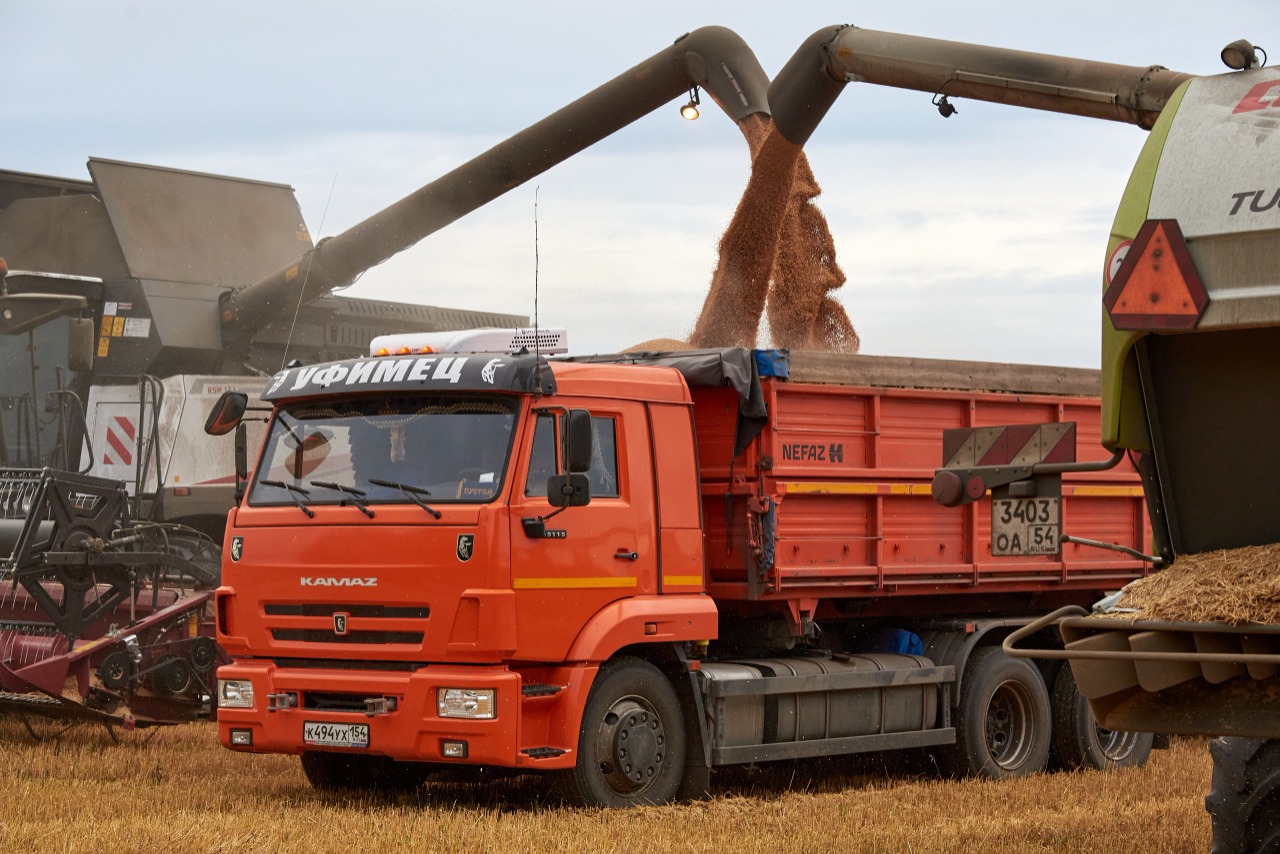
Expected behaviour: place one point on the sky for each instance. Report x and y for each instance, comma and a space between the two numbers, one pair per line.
981, 236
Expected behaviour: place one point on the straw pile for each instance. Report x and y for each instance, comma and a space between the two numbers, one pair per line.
1232, 586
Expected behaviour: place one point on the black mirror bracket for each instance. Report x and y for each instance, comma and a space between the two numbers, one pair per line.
535, 527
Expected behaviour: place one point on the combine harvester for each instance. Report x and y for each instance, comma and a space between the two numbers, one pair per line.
1191, 364
112, 500
128, 326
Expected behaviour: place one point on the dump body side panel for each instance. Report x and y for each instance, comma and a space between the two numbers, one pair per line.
832, 500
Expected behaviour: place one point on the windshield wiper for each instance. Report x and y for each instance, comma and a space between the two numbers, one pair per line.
409, 491
356, 494
293, 492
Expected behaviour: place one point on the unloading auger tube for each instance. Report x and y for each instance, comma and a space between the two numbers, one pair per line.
713, 58
817, 73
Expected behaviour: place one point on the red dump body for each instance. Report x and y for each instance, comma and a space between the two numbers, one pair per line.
848, 468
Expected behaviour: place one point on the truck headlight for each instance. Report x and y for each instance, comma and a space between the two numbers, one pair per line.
476, 704
235, 694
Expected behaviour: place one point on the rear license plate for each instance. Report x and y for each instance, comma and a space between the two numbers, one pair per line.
335, 735
1025, 526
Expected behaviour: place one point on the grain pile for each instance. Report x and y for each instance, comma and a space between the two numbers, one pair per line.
1233, 586
776, 235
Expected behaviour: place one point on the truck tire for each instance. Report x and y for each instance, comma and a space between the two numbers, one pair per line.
631, 746
1004, 718
331, 772
1244, 802
1078, 740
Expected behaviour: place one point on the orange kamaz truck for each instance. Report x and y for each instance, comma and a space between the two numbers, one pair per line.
630, 570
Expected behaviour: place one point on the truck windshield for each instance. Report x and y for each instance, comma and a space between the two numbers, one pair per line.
446, 448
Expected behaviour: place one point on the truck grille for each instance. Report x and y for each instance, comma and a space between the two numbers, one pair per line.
322, 625
355, 664
332, 701
328, 636
282, 609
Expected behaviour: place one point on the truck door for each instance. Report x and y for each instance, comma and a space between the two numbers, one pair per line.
589, 555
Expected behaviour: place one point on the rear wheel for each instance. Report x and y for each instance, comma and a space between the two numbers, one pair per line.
356, 772
1004, 718
1080, 742
1244, 803
631, 746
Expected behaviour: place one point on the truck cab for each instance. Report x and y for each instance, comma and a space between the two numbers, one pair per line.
411, 510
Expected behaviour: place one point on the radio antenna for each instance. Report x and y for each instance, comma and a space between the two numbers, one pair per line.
537, 339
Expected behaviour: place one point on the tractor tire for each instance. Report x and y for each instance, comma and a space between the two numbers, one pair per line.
353, 772
1244, 803
1004, 720
631, 746
1078, 740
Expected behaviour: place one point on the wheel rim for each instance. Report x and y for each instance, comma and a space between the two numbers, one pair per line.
1115, 746
1010, 725
631, 745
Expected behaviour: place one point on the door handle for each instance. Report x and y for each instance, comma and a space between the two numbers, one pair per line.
621, 555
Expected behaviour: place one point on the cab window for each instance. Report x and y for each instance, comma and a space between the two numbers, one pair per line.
603, 474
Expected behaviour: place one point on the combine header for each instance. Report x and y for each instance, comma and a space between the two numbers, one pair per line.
101, 617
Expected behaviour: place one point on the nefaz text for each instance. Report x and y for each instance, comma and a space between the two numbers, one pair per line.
833, 453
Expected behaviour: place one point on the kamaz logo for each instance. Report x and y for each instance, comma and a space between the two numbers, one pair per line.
338, 582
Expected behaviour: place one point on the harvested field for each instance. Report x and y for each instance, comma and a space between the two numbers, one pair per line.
178, 790
1233, 586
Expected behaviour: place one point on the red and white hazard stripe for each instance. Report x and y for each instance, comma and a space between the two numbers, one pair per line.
1017, 445
119, 444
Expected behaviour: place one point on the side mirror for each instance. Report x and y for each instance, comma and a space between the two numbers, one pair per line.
80, 344
226, 413
568, 490
577, 441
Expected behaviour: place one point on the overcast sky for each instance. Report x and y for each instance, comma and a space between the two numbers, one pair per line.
977, 237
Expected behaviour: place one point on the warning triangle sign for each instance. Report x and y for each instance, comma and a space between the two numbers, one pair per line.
1157, 286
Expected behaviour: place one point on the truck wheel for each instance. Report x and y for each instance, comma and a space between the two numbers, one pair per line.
1244, 803
1004, 718
331, 772
631, 745
1080, 742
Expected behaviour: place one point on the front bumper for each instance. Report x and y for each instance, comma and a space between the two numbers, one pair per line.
412, 731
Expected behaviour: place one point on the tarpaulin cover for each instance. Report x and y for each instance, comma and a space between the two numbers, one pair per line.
737, 367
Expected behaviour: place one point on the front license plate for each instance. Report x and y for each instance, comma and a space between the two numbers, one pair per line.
1025, 526
335, 735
